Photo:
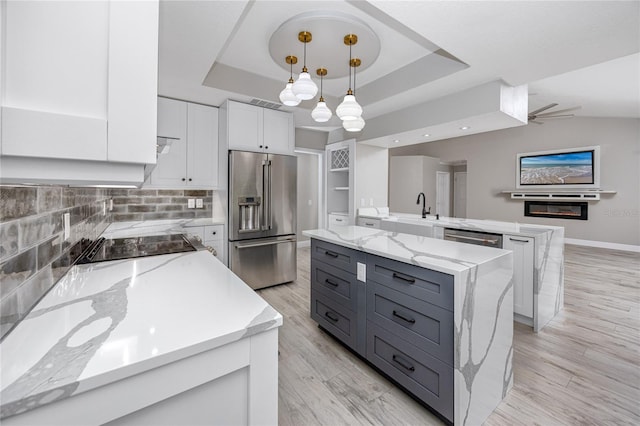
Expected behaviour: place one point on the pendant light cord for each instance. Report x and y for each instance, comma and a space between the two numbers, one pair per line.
350, 44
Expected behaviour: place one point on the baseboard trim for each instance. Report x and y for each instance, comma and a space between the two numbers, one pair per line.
305, 243
603, 244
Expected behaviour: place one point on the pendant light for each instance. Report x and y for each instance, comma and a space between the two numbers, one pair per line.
354, 124
349, 109
287, 97
321, 113
304, 88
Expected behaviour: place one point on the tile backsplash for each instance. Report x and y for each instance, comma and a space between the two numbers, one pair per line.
33, 252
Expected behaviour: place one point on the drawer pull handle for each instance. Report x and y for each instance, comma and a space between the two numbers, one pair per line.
403, 278
333, 317
331, 254
328, 281
402, 317
404, 364
368, 223
518, 240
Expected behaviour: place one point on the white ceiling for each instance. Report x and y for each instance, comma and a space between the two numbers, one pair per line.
574, 53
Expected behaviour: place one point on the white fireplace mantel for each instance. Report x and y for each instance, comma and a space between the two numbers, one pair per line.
559, 195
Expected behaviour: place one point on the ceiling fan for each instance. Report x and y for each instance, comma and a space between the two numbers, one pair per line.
536, 115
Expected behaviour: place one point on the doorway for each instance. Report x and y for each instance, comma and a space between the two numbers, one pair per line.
309, 192
443, 188
460, 194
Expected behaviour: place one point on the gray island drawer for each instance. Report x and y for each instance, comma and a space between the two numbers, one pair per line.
428, 327
334, 283
335, 318
426, 377
335, 255
424, 284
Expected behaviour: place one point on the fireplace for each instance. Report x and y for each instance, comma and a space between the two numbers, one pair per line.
557, 209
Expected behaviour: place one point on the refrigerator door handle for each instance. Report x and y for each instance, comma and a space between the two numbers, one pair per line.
265, 196
270, 223
270, 243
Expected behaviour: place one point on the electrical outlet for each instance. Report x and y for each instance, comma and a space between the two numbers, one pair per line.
371, 202
362, 272
362, 202
191, 203
110, 204
66, 219
104, 208
309, 202
199, 203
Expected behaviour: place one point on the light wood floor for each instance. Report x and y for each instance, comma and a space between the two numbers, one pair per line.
582, 369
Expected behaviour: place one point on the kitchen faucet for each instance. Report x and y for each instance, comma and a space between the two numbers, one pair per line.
424, 210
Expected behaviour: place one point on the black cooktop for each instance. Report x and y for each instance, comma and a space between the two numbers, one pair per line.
126, 248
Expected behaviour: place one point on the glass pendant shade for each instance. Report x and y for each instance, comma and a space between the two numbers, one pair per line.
349, 109
287, 97
304, 88
354, 125
321, 113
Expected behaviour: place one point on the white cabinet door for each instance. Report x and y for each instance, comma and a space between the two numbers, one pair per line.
202, 146
523, 252
279, 133
245, 127
80, 80
172, 119
133, 81
171, 169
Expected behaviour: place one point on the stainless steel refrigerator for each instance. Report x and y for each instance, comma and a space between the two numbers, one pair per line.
262, 217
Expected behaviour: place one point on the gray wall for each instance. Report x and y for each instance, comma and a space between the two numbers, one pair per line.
308, 196
491, 168
311, 139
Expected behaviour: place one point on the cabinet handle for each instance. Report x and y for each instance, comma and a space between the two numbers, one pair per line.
260, 146
190, 179
331, 254
328, 281
183, 179
214, 232
338, 220
404, 364
518, 240
403, 278
266, 147
368, 224
331, 316
402, 317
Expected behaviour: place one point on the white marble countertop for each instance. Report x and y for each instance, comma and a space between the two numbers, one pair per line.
155, 227
445, 256
106, 321
495, 226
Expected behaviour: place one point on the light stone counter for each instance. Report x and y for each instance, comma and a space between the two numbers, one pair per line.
106, 322
548, 259
483, 308
155, 227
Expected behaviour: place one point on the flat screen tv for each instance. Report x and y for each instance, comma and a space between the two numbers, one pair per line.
566, 168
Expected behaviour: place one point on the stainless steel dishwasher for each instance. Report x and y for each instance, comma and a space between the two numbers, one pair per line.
478, 238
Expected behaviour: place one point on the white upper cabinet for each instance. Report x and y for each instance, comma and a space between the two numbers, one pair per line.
80, 82
252, 128
279, 133
202, 146
191, 159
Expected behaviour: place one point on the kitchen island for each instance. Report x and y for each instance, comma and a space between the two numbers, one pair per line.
538, 256
168, 339
435, 316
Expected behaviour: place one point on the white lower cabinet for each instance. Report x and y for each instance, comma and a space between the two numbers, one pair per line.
368, 222
338, 219
522, 248
210, 236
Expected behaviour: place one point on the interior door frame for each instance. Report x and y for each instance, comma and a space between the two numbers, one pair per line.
320, 154
446, 194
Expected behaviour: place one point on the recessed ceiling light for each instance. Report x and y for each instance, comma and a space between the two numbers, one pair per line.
465, 128
396, 140
426, 135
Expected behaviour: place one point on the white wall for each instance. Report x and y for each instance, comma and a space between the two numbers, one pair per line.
372, 176
491, 168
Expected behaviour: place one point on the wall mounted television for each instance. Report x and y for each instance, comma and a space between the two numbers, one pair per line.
573, 168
